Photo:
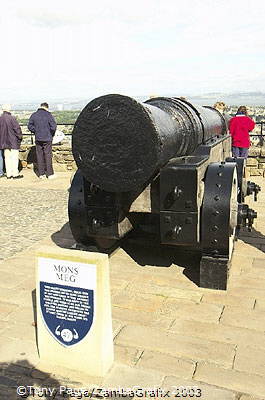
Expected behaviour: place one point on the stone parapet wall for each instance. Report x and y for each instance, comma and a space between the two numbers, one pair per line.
62, 156
63, 159
256, 161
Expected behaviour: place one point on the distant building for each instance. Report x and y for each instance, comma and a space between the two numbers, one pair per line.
60, 107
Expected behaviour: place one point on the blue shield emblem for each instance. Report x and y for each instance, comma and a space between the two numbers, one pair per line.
67, 310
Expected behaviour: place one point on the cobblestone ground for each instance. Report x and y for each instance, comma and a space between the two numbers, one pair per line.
28, 215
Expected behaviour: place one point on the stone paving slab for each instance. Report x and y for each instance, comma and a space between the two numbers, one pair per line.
167, 331
181, 346
253, 383
207, 392
155, 360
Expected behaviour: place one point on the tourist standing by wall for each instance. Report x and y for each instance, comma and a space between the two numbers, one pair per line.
239, 127
43, 125
10, 140
221, 107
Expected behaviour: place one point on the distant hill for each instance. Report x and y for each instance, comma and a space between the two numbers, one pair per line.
236, 98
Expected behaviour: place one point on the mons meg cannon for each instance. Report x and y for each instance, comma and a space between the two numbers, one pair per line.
163, 165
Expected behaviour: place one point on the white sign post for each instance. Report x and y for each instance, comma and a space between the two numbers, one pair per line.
74, 310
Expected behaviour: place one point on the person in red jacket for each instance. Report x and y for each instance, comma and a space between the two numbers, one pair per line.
239, 127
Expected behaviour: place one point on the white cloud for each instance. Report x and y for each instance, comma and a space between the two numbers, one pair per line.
83, 48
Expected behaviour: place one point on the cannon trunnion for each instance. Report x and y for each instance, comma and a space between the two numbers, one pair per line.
164, 164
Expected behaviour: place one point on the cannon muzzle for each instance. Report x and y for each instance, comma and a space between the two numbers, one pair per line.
119, 144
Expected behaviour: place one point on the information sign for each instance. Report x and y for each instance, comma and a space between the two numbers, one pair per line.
67, 298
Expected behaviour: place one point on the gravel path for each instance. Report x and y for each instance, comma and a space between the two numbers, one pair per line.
28, 215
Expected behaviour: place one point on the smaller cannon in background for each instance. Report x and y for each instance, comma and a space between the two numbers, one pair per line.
164, 163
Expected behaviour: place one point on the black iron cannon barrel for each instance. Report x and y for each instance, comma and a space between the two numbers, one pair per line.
119, 143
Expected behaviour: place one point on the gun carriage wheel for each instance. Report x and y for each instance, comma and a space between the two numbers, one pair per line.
219, 221
77, 209
242, 183
78, 216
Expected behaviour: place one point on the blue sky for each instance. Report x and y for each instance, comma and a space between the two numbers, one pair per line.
83, 49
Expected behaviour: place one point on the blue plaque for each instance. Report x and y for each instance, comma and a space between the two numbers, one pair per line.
67, 298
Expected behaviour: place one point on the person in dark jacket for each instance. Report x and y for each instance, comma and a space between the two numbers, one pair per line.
10, 140
43, 125
239, 127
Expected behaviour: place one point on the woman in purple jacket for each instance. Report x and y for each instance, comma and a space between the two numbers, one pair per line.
10, 140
